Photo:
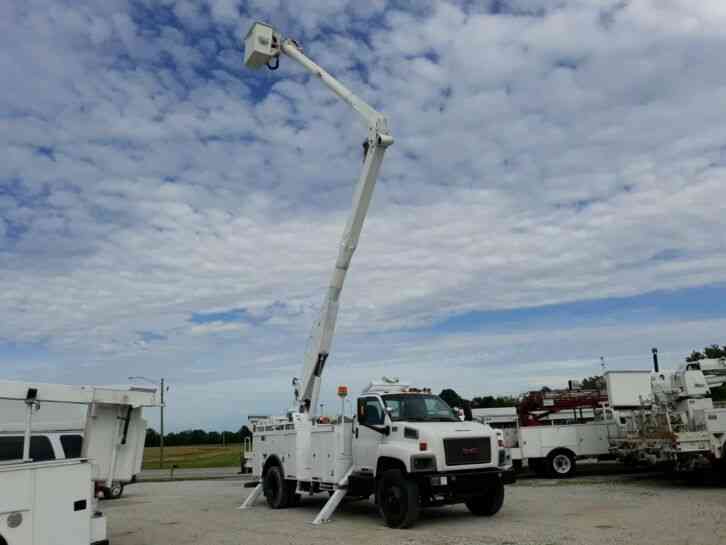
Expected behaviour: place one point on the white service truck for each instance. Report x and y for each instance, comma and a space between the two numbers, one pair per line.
677, 425
404, 446
57, 434
571, 425
53, 502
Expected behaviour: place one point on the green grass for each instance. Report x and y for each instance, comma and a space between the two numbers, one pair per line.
199, 456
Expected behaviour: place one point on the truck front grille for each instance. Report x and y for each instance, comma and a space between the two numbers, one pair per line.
469, 450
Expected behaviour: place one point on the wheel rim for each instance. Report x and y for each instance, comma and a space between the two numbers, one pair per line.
116, 491
562, 464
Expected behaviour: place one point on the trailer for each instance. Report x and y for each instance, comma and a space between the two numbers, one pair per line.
404, 445
47, 501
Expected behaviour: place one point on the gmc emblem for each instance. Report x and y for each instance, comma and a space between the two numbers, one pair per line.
470, 451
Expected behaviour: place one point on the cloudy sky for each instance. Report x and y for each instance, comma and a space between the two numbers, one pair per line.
554, 193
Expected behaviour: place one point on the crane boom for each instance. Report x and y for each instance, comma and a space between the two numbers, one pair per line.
307, 389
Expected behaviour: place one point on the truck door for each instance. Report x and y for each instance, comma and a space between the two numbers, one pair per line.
366, 440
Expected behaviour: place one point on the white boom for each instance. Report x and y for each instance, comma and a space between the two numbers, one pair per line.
262, 45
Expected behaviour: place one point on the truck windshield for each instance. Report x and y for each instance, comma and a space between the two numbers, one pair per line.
418, 408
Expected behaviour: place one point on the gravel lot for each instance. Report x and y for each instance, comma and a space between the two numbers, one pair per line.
630, 509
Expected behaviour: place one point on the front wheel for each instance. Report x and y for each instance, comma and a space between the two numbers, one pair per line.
490, 503
398, 499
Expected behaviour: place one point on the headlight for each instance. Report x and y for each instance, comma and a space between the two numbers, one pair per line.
423, 463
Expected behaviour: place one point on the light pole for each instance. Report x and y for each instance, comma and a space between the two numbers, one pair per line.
161, 437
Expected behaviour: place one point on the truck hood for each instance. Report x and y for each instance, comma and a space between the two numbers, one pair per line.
429, 430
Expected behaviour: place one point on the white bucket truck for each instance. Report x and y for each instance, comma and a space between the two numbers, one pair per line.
677, 426
47, 501
405, 446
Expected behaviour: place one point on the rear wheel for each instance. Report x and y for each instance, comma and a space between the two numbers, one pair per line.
561, 464
277, 489
490, 503
398, 499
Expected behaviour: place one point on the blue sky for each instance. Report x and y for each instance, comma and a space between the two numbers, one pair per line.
552, 195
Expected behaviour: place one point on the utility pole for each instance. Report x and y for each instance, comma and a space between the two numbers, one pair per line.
161, 439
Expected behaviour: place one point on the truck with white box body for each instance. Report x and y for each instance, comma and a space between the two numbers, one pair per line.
550, 431
405, 447
57, 434
51, 501
677, 425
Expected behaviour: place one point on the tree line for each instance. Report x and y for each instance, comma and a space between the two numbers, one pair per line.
197, 437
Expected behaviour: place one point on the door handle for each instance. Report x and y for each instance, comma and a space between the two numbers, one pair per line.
356, 433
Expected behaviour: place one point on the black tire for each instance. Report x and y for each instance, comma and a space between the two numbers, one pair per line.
561, 464
276, 490
398, 499
517, 466
490, 503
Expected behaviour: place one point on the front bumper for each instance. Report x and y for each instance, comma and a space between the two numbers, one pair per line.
456, 486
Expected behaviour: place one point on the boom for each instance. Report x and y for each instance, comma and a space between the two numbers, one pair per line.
262, 46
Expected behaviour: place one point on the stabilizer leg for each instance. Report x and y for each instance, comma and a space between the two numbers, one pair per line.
330, 506
252, 498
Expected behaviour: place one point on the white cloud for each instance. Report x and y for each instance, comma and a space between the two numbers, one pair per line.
147, 176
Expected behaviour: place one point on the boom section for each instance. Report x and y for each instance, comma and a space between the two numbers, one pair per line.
307, 389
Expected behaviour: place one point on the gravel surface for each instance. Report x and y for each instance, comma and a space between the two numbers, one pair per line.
634, 509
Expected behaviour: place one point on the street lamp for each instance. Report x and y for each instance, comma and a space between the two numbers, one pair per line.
161, 438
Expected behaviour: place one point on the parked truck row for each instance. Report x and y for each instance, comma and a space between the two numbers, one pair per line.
656, 418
